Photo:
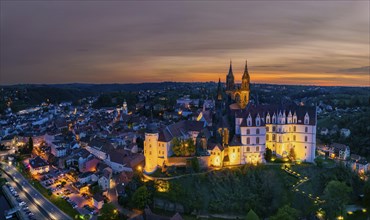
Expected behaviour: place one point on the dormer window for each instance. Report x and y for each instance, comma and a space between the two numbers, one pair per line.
306, 119
268, 119
274, 119
258, 121
280, 116
294, 118
249, 120
290, 119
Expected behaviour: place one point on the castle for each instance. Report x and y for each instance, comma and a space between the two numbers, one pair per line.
244, 138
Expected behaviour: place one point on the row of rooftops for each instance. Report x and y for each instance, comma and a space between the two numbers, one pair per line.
270, 111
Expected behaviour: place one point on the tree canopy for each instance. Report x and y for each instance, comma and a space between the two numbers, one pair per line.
252, 215
183, 147
336, 195
141, 197
286, 213
108, 212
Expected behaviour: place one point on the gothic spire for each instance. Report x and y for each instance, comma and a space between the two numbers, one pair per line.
246, 74
230, 69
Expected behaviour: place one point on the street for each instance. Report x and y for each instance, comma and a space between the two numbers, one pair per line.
38, 200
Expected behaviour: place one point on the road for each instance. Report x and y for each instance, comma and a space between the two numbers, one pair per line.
43, 204
22, 195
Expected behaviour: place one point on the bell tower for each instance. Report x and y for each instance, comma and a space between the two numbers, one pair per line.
244, 89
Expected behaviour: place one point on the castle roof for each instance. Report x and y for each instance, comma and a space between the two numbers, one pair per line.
179, 129
264, 110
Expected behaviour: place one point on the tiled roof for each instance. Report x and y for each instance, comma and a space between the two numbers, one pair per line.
179, 129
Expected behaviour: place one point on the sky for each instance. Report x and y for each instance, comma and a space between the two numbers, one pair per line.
285, 42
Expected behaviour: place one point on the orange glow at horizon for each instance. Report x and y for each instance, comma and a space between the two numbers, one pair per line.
270, 77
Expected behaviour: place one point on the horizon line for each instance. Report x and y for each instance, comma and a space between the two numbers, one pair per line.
136, 83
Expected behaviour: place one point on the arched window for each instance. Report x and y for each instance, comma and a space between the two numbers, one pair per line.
248, 149
273, 137
306, 129
273, 128
293, 137
248, 140
248, 131
257, 148
294, 128
267, 129
257, 140
267, 137
305, 138
257, 131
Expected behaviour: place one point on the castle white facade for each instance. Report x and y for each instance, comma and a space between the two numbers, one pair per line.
288, 131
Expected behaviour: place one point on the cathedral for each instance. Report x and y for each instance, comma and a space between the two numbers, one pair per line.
239, 94
240, 132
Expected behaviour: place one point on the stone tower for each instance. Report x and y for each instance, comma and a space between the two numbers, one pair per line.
244, 89
151, 149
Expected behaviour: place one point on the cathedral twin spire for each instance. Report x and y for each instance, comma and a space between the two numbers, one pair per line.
230, 84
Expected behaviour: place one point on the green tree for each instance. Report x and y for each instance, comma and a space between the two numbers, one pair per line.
189, 147
30, 144
336, 195
108, 212
319, 161
183, 147
286, 213
177, 146
268, 154
252, 215
141, 197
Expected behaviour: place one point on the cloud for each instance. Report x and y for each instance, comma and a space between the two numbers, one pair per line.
120, 41
363, 70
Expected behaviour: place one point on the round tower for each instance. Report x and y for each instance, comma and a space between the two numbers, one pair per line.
151, 149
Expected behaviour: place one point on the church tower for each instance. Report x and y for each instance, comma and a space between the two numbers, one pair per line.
124, 108
244, 89
230, 85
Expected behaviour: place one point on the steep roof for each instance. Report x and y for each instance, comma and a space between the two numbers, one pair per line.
263, 110
37, 162
179, 129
